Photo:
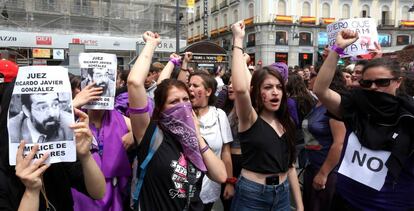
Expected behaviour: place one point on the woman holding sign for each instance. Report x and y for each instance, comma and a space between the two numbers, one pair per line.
377, 168
175, 172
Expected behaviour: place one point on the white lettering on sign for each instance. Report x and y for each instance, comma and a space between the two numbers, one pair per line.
364, 165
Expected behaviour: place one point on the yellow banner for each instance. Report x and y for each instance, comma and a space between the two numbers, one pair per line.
190, 6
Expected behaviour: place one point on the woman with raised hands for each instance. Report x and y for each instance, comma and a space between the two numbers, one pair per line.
266, 134
173, 177
377, 166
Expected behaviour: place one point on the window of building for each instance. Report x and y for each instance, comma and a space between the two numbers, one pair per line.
306, 9
216, 26
281, 7
403, 39
198, 30
251, 40
405, 15
225, 23
346, 12
235, 16
305, 38
326, 10
385, 15
365, 11
281, 38
384, 40
251, 10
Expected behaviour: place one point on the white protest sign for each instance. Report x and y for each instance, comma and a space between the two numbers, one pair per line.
367, 31
364, 165
41, 112
99, 68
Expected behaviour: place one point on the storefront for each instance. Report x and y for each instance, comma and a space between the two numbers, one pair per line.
281, 57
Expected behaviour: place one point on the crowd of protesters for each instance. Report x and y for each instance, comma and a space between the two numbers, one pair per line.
184, 139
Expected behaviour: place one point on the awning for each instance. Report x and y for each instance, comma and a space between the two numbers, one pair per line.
307, 19
284, 19
407, 23
327, 21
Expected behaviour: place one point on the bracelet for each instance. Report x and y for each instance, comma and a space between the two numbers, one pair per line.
231, 180
176, 61
204, 149
338, 50
183, 69
237, 47
139, 110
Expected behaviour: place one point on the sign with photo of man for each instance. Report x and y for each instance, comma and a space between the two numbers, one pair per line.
41, 113
100, 69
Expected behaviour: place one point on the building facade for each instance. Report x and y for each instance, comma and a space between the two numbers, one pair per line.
294, 31
113, 26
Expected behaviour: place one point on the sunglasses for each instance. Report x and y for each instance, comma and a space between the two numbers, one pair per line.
382, 82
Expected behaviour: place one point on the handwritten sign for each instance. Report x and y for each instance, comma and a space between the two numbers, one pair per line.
41, 112
367, 31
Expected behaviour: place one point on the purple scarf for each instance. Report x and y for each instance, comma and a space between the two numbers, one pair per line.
179, 122
113, 162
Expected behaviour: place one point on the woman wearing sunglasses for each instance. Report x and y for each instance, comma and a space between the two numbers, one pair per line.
377, 167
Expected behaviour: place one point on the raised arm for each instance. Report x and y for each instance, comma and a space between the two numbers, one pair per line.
247, 71
245, 112
169, 68
136, 90
328, 97
184, 70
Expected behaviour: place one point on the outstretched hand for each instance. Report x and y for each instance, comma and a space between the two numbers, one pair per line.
88, 94
345, 38
376, 52
29, 172
188, 56
151, 37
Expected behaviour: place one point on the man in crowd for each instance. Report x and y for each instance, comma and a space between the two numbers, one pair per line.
42, 120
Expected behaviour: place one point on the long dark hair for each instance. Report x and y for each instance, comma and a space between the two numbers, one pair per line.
282, 114
297, 90
161, 94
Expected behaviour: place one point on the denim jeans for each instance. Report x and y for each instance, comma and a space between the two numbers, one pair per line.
255, 196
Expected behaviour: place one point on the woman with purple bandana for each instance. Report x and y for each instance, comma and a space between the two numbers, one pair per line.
173, 177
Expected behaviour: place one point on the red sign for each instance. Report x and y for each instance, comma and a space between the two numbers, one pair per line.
86, 42
43, 40
76, 40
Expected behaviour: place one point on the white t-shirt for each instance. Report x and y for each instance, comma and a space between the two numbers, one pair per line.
215, 129
220, 85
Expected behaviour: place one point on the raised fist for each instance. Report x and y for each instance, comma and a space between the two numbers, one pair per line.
345, 38
151, 37
238, 29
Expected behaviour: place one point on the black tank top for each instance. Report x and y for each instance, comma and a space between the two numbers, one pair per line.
263, 151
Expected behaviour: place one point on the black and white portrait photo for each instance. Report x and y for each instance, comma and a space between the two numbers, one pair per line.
40, 118
102, 77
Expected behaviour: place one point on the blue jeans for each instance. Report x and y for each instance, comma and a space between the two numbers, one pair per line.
255, 196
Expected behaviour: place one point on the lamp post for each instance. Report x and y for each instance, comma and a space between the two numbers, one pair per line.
177, 27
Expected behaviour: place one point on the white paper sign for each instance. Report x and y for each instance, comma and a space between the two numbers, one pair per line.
99, 68
41, 112
367, 31
364, 165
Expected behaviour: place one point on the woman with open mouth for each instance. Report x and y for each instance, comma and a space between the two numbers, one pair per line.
266, 134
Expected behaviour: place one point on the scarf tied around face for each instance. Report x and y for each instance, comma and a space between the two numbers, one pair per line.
179, 122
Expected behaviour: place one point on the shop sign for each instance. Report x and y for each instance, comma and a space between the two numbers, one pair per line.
43, 40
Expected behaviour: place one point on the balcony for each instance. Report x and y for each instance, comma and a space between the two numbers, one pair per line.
223, 29
248, 21
406, 23
386, 23
214, 32
234, 2
326, 21
214, 9
307, 20
284, 19
224, 4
